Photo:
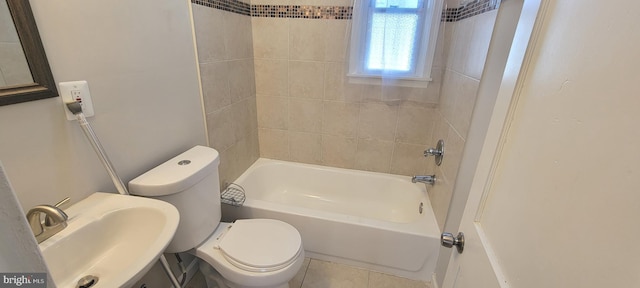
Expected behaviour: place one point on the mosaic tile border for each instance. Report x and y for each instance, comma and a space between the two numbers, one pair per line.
302, 11
234, 6
469, 9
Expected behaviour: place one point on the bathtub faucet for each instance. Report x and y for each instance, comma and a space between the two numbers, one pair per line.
426, 179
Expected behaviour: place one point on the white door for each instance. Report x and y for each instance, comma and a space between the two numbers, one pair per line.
477, 266
554, 199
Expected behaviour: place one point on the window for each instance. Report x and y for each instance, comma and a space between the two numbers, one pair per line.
394, 39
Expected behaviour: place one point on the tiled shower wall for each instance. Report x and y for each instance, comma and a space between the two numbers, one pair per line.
308, 112
467, 43
225, 55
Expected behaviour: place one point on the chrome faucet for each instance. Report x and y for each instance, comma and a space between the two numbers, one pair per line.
54, 220
426, 179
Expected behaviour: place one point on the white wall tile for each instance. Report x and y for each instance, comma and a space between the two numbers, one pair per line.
336, 40
305, 147
374, 155
237, 36
273, 112
440, 197
454, 145
337, 86
465, 101
415, 124
220, 127
272, 77
210, 40
306, 79
378, 121
408, 159
270, 37
459, 52
305, 115
243, 117
241, 79
274, 144
228, 80
340, 119
339, 151
215, 85
479, 44
307, 39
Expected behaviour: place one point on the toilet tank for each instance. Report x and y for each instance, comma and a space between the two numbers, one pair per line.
191, 183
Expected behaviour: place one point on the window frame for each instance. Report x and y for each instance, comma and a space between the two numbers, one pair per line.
425, 50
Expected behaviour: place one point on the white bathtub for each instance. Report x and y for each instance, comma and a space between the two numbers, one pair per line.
371, 220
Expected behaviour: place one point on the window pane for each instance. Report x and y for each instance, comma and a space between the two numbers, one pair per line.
392, 41
397, 3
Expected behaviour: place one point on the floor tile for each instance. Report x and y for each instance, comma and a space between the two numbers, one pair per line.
321, 274
296, 282
379, 280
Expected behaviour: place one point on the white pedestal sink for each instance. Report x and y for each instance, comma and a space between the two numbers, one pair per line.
113, 237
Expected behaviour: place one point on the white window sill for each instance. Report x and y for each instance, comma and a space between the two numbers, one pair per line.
389, 81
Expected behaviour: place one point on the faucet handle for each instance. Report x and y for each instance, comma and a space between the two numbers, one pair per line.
48, 221
438, 152
62, 202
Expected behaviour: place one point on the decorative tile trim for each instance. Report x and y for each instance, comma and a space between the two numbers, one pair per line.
467, 10
234, 6
279, 11
302, 11
470, 9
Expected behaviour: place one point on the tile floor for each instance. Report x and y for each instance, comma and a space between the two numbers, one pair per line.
322, 274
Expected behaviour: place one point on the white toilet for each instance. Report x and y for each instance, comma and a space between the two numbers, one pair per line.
247, 253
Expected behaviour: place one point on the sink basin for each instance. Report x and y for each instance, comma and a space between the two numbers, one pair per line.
113, 237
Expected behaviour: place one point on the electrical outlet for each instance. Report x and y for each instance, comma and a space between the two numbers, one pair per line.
76, 91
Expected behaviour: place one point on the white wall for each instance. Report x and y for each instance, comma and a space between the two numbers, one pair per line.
564, 205
139, 59
18, 251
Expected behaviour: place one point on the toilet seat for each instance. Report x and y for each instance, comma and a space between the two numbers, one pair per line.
252, 275
260, 245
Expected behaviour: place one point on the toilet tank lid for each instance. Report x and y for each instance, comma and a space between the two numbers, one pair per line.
177, 174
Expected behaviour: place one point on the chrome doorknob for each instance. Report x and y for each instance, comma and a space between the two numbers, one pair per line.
447, 240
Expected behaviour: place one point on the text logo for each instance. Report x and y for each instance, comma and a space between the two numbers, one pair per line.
23, 280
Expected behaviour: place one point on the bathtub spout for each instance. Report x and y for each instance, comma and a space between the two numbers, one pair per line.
426, 179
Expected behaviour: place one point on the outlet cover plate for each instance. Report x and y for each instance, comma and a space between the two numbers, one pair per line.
76, 91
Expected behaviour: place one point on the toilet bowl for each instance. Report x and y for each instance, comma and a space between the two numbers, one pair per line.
254, 253
260, 253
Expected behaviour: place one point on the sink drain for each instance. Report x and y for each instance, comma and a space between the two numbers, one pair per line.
87, 281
